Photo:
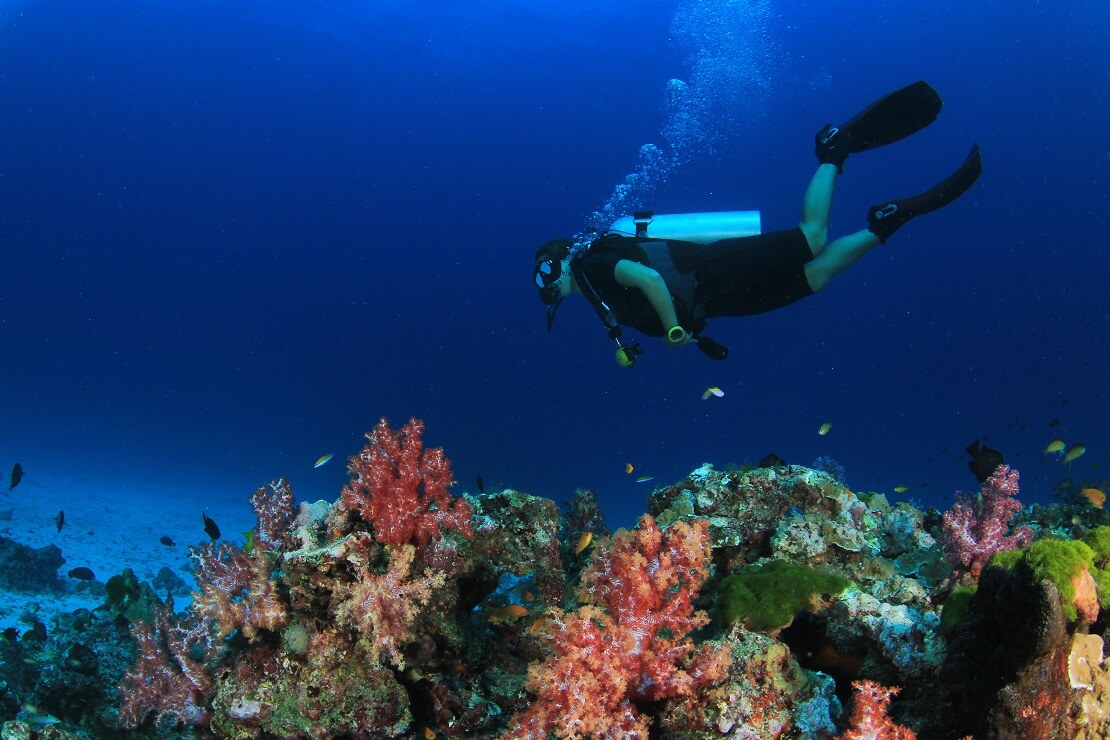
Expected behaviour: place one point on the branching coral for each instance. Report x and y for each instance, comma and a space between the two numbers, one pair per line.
165, 682
973, 531
869, 720
401, 488
237, 590
385, 607
635, 649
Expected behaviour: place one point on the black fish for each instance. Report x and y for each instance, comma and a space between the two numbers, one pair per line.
167, 541
17, 475
82, 573
11, 634
481, 485
983, 461
60, 520
1054, 423
210, 527
771, 461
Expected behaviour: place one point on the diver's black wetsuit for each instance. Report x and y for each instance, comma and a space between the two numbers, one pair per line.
731, 277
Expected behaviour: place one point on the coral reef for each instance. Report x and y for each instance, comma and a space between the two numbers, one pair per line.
745, 604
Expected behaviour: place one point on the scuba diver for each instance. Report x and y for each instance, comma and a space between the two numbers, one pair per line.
669, 287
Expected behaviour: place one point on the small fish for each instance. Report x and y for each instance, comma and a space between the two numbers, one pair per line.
901, 489
11, 634
429, 733
1055, 446
1074, 453
210, 527
628, 468
82, 573
481, 484
248, 537
1054, 423
167, 541
983, 461
509, 613
60, 520
583, 542
528, 596
323, 459
712, 391
824, 429
17, 475
1096, 496
645, 478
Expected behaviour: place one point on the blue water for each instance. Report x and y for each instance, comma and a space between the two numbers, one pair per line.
232, 239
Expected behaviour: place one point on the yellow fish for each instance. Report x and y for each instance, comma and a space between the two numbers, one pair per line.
901, 489
1055, 446
1076, 451
324, 459
1095, 496
824, 429
645, 478
583, 542
712, 391
628, 468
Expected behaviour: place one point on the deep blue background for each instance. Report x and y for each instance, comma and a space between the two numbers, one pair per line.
233, 239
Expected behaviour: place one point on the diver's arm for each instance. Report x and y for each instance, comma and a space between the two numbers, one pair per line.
634, 275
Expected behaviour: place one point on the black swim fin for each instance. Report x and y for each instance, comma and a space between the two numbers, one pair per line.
887, 120
883, 219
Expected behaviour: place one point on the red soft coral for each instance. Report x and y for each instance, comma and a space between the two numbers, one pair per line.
401, 488
637, 649
975, 530
869, 720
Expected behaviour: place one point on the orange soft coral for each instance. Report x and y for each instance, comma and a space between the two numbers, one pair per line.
385, 607
237, 590
869, 720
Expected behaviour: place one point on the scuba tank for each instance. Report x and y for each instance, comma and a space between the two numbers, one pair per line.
701, 228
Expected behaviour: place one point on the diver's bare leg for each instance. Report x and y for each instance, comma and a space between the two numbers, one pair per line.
816, 207
838, 256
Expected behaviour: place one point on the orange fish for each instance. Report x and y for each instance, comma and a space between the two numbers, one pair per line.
528, 596
583, 542
628, 468
429, 733
508, 613
1095, 496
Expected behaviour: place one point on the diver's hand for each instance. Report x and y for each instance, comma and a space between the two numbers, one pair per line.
677, 336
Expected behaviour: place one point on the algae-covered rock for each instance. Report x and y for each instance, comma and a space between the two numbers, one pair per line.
766, 596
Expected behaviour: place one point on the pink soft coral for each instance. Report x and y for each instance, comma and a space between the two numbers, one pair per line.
401, 488
975, 530
165, 681
636, 649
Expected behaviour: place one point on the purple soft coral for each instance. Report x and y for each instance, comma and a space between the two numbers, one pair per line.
975, 530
